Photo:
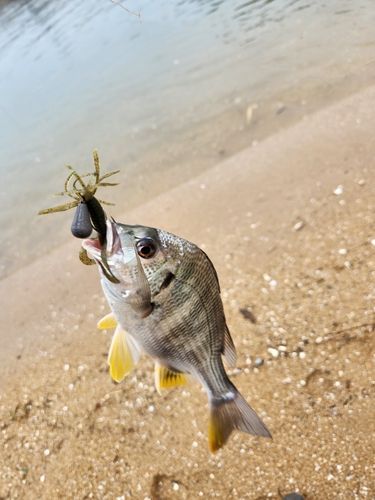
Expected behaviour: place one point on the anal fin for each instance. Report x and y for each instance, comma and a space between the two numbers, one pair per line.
166, 378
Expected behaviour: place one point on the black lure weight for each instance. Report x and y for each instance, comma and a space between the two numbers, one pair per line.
81, 226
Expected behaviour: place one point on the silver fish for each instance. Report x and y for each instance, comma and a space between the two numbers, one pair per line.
167, 303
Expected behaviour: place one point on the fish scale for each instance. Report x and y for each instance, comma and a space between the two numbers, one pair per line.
167, 304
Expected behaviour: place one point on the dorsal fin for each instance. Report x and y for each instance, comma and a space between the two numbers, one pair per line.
212, 268
229, 351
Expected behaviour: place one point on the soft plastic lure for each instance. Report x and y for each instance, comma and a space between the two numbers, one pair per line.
89, 213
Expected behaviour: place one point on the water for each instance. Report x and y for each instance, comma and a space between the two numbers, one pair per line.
162, 98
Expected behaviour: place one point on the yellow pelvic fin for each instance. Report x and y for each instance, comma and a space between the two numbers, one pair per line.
109, 321
166, 378
123, 354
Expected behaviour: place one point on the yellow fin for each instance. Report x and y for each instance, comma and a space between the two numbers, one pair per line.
123, 354
229, 413
166, 378
109, 321
216, 438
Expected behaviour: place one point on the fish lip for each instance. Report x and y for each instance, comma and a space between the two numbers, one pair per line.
111, 236
112, 245
94, 247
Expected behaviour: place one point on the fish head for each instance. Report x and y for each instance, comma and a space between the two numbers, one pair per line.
125, 242
140, 259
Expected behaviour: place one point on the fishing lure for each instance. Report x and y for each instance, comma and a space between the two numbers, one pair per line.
89, 213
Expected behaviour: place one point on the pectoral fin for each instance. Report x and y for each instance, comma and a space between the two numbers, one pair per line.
166, 378
109, 321
123, 354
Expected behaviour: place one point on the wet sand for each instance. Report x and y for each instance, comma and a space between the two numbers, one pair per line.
286, 248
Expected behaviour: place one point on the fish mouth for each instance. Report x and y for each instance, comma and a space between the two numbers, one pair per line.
111, 246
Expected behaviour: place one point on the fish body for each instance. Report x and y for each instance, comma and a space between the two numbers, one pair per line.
167, 303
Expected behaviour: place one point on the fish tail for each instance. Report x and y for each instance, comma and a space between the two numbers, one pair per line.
229, 413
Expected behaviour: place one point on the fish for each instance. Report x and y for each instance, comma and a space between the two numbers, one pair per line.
167, 304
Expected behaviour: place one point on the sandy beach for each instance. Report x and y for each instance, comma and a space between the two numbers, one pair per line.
289, 226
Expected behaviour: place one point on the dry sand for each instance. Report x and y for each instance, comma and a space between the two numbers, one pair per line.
68, 431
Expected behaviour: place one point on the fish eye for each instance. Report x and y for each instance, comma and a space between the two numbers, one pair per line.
146, 248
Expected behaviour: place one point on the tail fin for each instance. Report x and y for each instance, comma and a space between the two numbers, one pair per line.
230, 414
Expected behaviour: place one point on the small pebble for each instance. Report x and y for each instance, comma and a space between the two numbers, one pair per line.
259, 362
66, 367
298, 226
319, 340
274, 352
293, 496
42, 478
46, 452
175, 486
273, 284
282, 348
302, 355
339, 190
248, 315
343, 251
249, 114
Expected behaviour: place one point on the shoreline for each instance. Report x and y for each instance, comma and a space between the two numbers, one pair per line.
159, 212
172, 157
251, 204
